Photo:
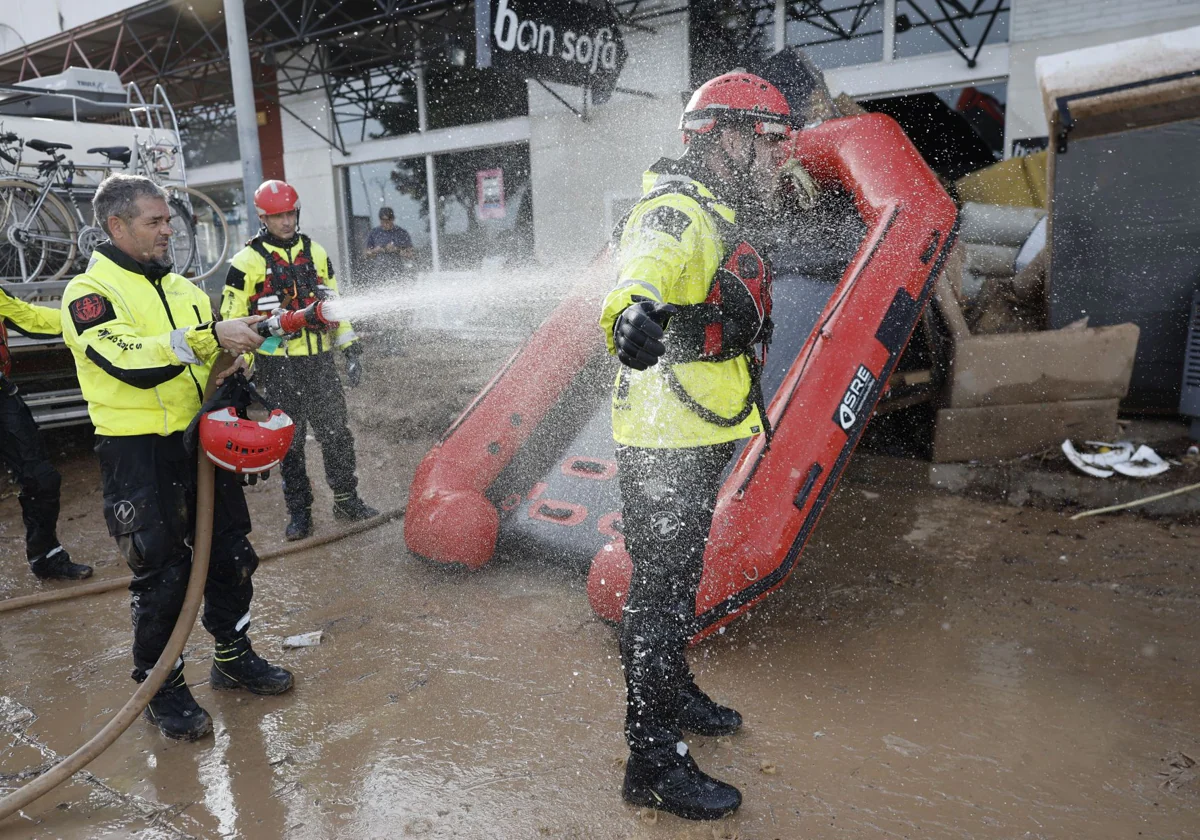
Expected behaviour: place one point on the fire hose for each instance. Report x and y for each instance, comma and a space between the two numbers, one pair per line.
99, 587
102, 740
202, 546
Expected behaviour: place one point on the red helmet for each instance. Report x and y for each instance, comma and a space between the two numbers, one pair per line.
241, 445
738, 99
276, 197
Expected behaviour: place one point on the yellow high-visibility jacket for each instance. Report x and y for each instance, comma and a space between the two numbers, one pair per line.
250, 290
29, 319
143, 347
670, 250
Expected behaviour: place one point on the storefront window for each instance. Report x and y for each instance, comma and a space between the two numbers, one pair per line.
486, 208
400, 186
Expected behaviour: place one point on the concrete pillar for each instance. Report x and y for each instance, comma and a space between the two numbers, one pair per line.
243, 98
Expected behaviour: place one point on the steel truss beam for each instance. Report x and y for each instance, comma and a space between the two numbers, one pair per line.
842, 21
830, 21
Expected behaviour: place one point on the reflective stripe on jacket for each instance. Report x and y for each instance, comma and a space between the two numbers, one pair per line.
669, 251
143, 348
250, 290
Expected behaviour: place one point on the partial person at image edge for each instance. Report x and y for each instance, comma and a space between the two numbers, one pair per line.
25, 454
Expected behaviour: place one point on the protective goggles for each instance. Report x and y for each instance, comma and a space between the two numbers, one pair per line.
770, 125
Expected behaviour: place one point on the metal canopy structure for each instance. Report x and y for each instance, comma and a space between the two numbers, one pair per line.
361, 53
296, 46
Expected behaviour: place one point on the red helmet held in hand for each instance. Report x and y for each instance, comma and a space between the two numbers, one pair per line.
276, 196
243, 446
737, 99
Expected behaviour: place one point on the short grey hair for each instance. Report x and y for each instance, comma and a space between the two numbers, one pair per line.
118, 195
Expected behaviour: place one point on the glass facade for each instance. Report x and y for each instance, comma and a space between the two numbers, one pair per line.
485, 208
484, 211
401, 186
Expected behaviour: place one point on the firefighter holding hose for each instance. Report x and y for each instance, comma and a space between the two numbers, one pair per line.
282, 268
688, 320
145, 341
25, 455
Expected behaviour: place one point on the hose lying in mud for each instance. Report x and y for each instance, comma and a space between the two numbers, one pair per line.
1145, 500
79, 759
202, 546
100, 586
103, 739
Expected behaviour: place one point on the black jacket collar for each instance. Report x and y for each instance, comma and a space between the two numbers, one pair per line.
688, 167
266, 236
147, 270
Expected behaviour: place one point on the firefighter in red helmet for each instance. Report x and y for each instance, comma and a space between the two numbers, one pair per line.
145, 343
282, 268
689, 319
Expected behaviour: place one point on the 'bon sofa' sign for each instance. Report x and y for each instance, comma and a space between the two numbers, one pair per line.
553, 40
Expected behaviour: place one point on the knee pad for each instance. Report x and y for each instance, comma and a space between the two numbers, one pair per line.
148, 549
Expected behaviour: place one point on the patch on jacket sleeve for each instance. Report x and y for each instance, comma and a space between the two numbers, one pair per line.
236, 279
666, 220
90, 310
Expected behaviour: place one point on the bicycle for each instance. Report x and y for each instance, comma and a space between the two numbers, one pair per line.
44, 235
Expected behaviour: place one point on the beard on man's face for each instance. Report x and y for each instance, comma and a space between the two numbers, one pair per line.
161, 260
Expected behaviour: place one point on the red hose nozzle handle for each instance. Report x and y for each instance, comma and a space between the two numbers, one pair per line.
293, 321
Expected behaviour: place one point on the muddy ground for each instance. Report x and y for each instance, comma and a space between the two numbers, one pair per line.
937, 668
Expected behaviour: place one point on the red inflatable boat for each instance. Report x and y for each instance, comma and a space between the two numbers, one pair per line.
529, 466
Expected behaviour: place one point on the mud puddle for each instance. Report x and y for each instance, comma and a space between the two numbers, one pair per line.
936, 668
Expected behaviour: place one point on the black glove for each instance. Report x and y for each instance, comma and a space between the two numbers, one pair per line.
354, 369
250, 479
638, 332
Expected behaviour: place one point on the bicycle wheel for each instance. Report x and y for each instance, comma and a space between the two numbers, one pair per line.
37, 233
209, 231
183, 236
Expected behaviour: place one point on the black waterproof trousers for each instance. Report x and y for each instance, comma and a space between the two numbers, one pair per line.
308, 390
25, 456
667, 502
149, 484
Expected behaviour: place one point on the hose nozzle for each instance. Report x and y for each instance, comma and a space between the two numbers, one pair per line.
289, 322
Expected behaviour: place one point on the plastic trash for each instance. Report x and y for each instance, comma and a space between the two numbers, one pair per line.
1104, 459
304, 640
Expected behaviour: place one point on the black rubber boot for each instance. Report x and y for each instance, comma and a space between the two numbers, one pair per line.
701, 714
175, 712
350, 508
299, 525
236, 665
56, 564
665, 780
